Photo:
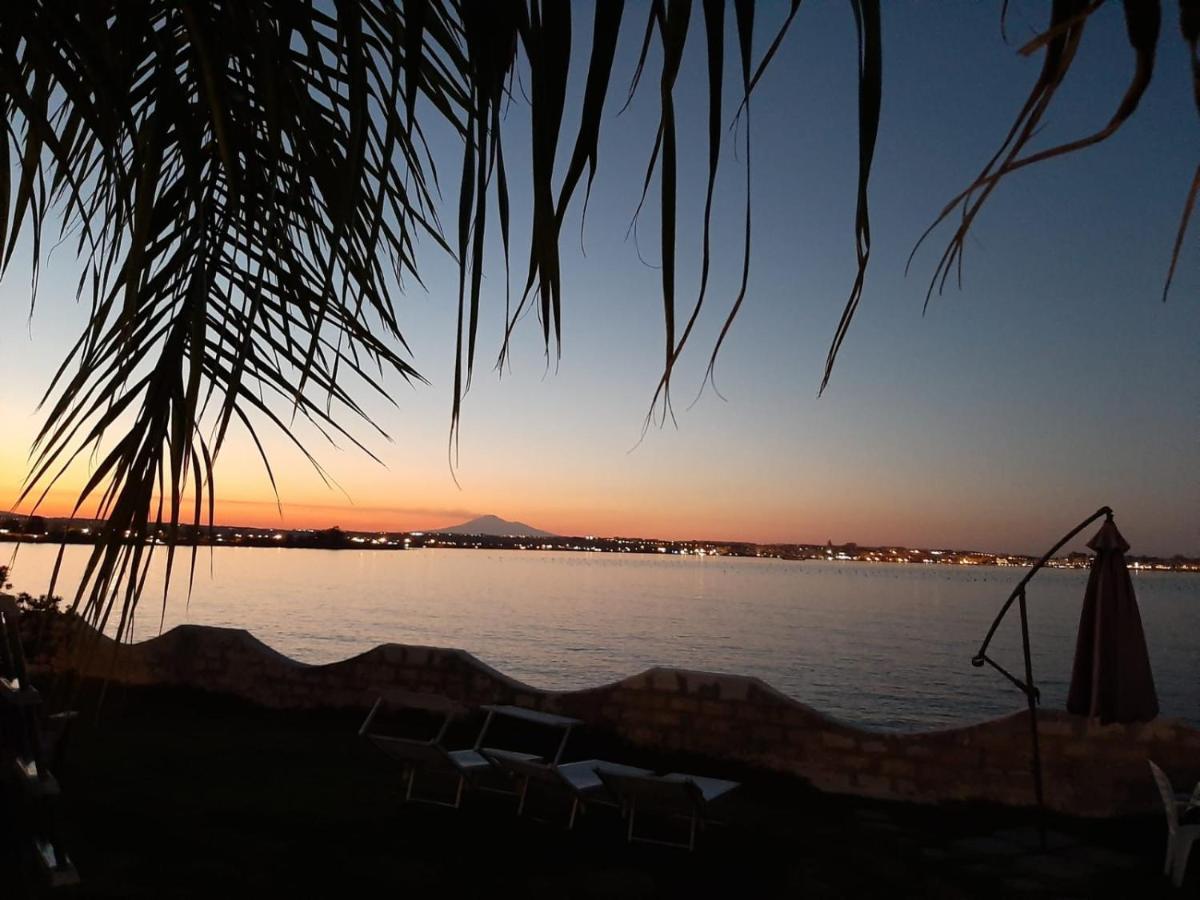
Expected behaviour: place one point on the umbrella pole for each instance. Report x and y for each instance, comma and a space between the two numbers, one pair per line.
1031, 696
1027, 686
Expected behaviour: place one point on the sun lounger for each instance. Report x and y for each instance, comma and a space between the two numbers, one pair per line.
579, 781
429, 757
465, 767
1180, 838
534, 717
675, 795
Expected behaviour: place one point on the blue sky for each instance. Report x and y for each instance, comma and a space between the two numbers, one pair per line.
1054, 382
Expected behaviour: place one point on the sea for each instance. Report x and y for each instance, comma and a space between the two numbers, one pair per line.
883, 646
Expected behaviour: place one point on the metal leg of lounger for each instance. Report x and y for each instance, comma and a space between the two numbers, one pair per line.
562, 745
412, 780
524, 792
695, 822
366, 725
487, 723
574, 810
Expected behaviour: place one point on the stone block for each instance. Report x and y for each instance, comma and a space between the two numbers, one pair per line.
1058, 728
838, 741
417, 656
648, 700
854, 762
613, 711
958, 758
906, 788
664, 719
873, 785
481, 683
394, 653
1081, 749
1164, 734
898, 767
801, 737
747, 712
715, 708
767, 734
728, 687
666, 680
711, 726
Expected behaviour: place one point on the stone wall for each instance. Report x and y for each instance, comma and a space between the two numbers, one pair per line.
1090, 769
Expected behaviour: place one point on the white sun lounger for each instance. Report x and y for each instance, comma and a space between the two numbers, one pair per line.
531, 716
675, 795
580, 781
1180, 838
465, 767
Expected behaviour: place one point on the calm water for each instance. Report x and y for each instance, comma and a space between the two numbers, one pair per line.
879, 645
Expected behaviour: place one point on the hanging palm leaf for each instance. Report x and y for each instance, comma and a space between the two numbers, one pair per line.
246, 183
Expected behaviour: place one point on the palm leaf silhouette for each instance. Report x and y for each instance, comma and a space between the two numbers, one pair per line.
246, 182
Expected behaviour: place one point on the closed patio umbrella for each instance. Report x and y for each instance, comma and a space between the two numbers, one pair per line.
1111, 678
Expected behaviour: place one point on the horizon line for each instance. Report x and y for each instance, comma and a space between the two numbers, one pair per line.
613, 537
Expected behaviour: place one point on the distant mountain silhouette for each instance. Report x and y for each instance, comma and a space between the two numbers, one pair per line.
494, 526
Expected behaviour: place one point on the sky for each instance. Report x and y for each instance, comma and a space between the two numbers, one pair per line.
1054, 382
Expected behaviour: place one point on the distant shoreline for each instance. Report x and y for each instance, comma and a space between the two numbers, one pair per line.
334, 539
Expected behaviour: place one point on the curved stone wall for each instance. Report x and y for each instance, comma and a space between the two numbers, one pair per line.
1090, 769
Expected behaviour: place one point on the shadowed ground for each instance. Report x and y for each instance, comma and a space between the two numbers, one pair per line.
184, 794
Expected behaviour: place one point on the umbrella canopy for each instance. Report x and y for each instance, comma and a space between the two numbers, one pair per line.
1111, 678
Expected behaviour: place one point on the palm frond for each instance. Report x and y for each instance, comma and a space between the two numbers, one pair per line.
1059, 44
1189, 26
870, 94
238, 179
246, 183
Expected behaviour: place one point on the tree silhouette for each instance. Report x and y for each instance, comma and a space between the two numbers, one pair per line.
246, 181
